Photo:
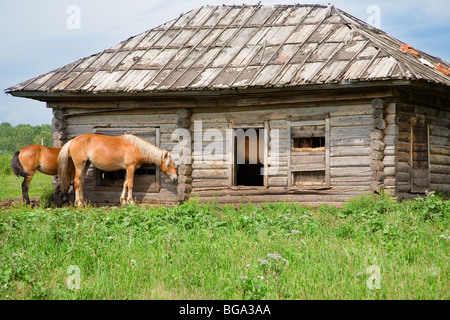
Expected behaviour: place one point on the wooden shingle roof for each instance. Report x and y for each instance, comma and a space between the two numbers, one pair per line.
228, 47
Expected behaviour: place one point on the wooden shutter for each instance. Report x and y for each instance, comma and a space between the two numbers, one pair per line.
309, 156
420, 168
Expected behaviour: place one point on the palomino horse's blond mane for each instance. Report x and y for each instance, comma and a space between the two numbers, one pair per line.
149, 151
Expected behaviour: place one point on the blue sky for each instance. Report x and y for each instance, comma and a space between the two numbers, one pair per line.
36, 38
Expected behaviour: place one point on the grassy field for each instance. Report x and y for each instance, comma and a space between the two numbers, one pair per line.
11, 186
372, 248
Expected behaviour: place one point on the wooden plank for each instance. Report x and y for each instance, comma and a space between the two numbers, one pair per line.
312, 166
439, 178
349, 151
351, 121
209, 174
209, 183
357, 161
336, 172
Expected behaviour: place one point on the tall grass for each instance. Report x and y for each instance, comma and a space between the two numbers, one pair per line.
205, 251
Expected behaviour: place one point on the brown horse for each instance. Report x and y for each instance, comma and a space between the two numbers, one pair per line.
34, 157
110, 154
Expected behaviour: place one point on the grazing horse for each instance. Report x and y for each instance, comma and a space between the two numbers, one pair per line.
34, 157
109, 153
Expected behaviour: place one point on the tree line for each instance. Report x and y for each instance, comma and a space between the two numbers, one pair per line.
13, 138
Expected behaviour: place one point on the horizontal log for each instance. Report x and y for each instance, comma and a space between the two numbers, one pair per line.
59, 125
376, 134
317, 158
376, 186
358, 161
378, 175
403, 177
312, 166
377, 145
59, 114
209, 165
389, 161
379, 124
184, 113
59, 135
442, 150
439, 178
349, 151
209, 173
378, 103
378, 113
277, 181
376, 155
351, 121
403, 156
339, 133
350, 142
184, 179
58, 143
442, 169
390, 183
277, 171
185, 170
441, 187
350, 172
278, 124
376, 165
403, 167
439, 131
389, 171
350, 181
183, 123
439, 159
389, 140
183, 188
207, 183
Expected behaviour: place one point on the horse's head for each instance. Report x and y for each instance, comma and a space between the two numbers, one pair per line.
168, 167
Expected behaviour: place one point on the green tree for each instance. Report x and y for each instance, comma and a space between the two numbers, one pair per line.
13, 138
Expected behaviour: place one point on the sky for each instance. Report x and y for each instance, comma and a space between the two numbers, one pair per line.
40, 36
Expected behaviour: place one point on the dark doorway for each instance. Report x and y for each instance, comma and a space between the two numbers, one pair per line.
249, 157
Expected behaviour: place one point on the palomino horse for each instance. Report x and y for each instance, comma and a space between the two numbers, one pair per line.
34, 157
109, 153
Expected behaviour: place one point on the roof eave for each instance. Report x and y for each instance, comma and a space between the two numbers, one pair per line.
211, 92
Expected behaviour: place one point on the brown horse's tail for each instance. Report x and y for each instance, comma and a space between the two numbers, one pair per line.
65, 167
16, 166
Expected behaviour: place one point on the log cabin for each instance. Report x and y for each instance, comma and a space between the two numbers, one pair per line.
328, 107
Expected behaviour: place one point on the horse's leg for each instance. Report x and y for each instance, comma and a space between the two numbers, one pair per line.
78, 179
76, 186
82, 177
26, 187
130, 179
128, 185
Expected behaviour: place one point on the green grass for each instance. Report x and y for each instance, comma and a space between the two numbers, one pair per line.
206, 251
11, 186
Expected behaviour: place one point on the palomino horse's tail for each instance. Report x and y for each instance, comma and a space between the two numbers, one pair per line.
16, 166
64, 168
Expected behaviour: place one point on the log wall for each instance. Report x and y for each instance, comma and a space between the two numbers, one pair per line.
438, 122
368, 143
76, 121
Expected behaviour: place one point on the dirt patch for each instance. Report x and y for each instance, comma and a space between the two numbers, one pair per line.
5, 204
